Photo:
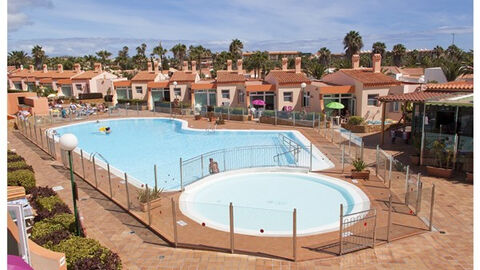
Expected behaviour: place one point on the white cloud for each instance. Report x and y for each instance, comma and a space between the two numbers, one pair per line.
17, 18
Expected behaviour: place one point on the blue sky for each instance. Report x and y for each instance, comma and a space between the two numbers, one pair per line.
65, 27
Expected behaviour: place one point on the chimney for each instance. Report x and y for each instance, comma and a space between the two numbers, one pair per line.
45, 69
31, 68
155, 66
194, 66
185, 66
284, 63
229, 65
377, 63
21, 67
240, 66
77, 68
149, 66
298, 64
97, 67
60, 68
355, 61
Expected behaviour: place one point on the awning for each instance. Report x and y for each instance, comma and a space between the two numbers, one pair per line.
340, 89
260, 88
64, 81
162, 84
46, 80
457, 101
124, 83
412, 97
203, 86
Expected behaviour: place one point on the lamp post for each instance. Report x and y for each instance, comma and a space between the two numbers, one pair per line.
175, 86
68, 142
303, 85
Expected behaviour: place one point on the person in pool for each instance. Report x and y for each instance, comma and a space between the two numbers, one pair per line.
107, 130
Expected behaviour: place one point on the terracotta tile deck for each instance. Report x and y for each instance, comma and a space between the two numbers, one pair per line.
110, 225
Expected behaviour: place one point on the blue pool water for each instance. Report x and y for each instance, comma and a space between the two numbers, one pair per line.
135, 145
265, 200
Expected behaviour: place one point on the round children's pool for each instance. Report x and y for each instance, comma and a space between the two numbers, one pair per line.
263, 201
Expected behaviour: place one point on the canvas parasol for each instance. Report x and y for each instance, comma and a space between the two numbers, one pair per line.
258, 102
335, 105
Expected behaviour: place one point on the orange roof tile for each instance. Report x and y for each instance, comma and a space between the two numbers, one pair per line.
16, 79
64, 81
288, 77
339, 89
87, 75
124, 83
46, 80
224, 76
455, 86
202, 85
161, 84
369, 78
145, 76
183, 76
260, 88
413, 97
412, 71
11, 69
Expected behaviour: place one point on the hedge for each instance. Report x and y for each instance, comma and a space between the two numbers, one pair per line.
90, 96
79, 251
48, 203
18, 165
132, 101
14, 157
24, 178
42, 192
355, 120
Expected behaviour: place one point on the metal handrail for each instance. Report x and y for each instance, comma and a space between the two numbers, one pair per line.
100, 155
187, 161
295, 151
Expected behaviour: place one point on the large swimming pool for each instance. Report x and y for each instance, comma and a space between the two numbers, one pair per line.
263, 201
136, 144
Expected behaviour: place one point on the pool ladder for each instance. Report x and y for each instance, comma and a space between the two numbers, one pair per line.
211, 128
100, 155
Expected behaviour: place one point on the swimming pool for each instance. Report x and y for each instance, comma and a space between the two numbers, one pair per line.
264, 200
136, 144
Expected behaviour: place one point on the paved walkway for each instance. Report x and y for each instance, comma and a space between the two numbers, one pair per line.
141, 249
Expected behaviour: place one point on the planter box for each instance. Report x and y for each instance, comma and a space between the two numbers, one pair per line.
469, 177
365, 128
439, 172
153, 204
365, 174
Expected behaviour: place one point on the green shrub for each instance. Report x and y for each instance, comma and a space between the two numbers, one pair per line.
78, 248
51, 231
18, 165
359, 165
14, 157
356, 120
66, 220
24, 178
52, 238
10, 152
48, 203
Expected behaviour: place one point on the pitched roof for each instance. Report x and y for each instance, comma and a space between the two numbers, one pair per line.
183, 76
145, 76
455, 86
260, 87
11, 69
64, 81
224, 76
202, 85
369, 78
46, 80
284, 77
87, 75
161, 84
124, 83
416, 72
413, 97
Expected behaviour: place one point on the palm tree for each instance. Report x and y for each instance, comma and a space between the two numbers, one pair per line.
379, 47
179, 52
257, 62
160, 51
140, 59
235, 48
352, 43
90, 60
122, 58
398, 52
453, 52
38, 56
437, 51
324, 55
17, 58
452, 69
198, 53
104, 55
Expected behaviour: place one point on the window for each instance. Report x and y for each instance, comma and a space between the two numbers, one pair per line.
306, 99
177, 91
124, 93
395, 106
18, 85
372, 100
288, 96
241, 97
226, 94
79, 87
139, 89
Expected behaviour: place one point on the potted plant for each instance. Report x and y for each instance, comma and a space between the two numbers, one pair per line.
359, 171
154, 195
443, 160
220, 120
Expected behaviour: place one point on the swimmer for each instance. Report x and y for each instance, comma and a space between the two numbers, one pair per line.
107, 130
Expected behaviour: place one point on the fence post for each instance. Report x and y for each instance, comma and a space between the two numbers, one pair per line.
374, 229
148, 205
376, 160
228, 116
126, 190
407, 175
155, 173
350, 144
174, 219
418, 206
95, 171
109, 180
293, 114
35, 130
224, 162
137, 110
389, 223
201, 163
153, 108
232, 232
275, 117
181, 174
341, 230
432, 201
41, 137
83, 165
294, 237
311, 156
313, 120
361, 150
343, 158
331, 127
390, 173
126, 109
